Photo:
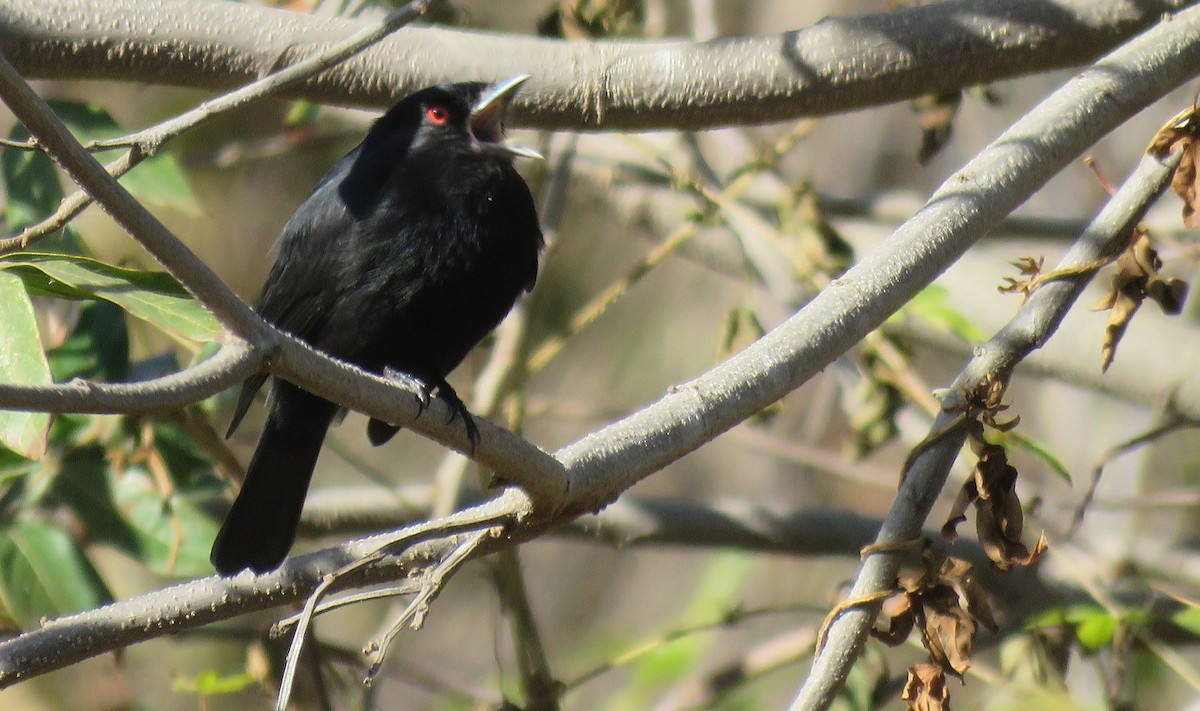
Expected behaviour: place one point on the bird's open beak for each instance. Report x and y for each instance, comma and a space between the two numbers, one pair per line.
488, 113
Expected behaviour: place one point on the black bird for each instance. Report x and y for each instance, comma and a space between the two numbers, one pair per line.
407, 253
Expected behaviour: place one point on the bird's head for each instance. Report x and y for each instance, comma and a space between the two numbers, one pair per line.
467, 114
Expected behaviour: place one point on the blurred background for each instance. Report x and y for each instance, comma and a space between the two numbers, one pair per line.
824, 190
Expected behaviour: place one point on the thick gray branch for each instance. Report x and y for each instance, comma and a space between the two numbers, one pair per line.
836, 65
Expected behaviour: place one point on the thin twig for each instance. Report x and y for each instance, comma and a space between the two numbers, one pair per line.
541, 689
233, 363
600, 304
404, 587
1173, 423
431, 586
729, 619
388, 544
68, 209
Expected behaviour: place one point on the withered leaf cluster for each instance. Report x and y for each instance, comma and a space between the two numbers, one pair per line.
992, 487
1031, 271
946, 605
926, 688
936, 113
1180, 133
999, 518
1137, 279
591, 19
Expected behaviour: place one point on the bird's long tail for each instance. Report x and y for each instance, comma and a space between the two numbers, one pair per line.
261, 526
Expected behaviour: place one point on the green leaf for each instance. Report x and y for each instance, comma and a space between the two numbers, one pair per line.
22, 362
171, 534
44, 573
13, 467
1188, 618
154, 297
301, 113
934, 306
97, 347
1040, 451
1094, 625
1096, 631
34, 191
83, 484
210, 683
174, 534
158, 180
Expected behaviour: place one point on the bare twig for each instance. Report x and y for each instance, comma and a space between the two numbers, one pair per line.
541, 689
233, 363
404, 587
729, 619
431, 586
445, 528
68, 209
1172, 423
705, 692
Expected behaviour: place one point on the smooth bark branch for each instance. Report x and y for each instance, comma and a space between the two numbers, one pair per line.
838, 64
235, 362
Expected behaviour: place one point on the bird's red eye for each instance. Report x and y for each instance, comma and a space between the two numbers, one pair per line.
437, 115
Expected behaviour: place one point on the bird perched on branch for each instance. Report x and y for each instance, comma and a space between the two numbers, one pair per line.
407, 253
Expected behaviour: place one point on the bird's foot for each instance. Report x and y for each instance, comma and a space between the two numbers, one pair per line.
379, 431
424, 390
458, 409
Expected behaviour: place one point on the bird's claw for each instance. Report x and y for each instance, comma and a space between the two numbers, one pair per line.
459, 409
423, 390
379, 431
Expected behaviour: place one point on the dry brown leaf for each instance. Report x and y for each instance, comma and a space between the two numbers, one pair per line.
926, 689
999, 518
936, 113
897, 613
947, 629
1181, 132
1136, 280
1030, 270
981, 403
960, 575
933, 601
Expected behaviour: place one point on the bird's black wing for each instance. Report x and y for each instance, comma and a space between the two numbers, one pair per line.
303, 283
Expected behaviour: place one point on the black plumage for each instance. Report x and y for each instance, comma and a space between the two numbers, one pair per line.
409, 251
